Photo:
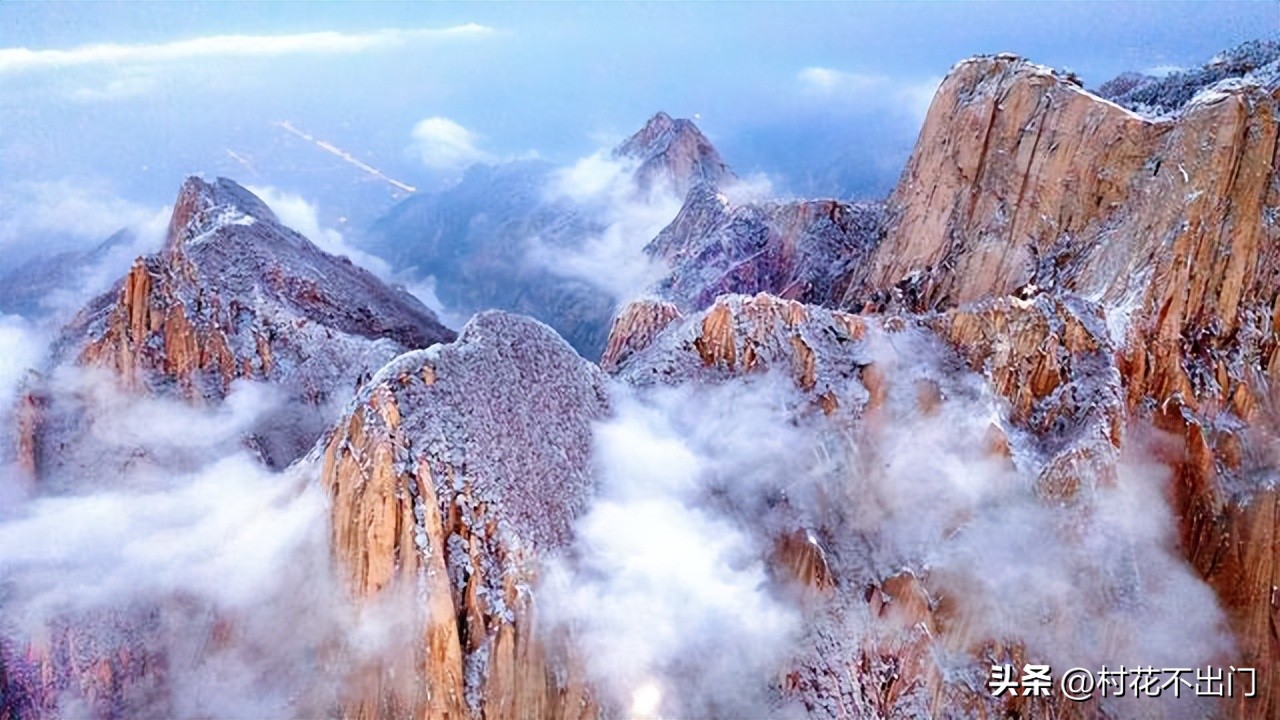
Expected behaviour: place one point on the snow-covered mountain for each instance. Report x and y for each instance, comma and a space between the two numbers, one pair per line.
835, 460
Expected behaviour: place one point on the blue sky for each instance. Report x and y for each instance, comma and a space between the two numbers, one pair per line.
825, 98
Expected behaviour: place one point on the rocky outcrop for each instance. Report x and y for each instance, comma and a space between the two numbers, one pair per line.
1011, 160
235, 295
1257, 60
1022, 184
796, 250
1053, 365
674, 152
634, 328
969, 376
883, 641
456, 471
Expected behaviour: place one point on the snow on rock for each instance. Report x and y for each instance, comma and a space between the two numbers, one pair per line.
797, 250
234, 295
455, 469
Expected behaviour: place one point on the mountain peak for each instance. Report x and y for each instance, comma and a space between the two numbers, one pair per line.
203, 207
661, 122
657, 136
675, 151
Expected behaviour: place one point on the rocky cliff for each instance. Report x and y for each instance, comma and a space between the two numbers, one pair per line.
456, 471
894, 633
674, 152
796, 250
233, 296
1024, 184
1026, 412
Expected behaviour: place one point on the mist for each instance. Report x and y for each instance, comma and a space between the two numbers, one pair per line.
190, 552
626, 217
678, 589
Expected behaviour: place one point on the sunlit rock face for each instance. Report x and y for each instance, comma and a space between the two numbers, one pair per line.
233, 296
456, 471
1024, 184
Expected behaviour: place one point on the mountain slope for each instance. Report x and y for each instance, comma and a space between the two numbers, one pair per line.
501, 237
456, 470
234, 295
797, 249
1024, 183
674, 151
146, 387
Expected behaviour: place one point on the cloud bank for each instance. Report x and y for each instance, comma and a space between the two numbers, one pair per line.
50, 216
13, 60
176, 547
442, 144
622, 217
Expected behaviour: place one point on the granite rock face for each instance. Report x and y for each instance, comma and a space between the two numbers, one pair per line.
457, 469
797, 250
1023, 184
233, 296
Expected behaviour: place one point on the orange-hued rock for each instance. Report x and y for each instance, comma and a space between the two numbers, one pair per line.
1011, 158
149, 306
1053, 366
634, 328
1023, 183
233, 295
457, 471
821, 351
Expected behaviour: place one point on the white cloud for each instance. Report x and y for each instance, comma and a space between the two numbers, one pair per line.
200, 535
1164, 70
81, 210
612, 258
24, 59
661, 577
22, 346
870, 91
130, 83
443, 144
43, 219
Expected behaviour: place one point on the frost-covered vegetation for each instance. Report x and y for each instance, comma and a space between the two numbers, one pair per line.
1258, 60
